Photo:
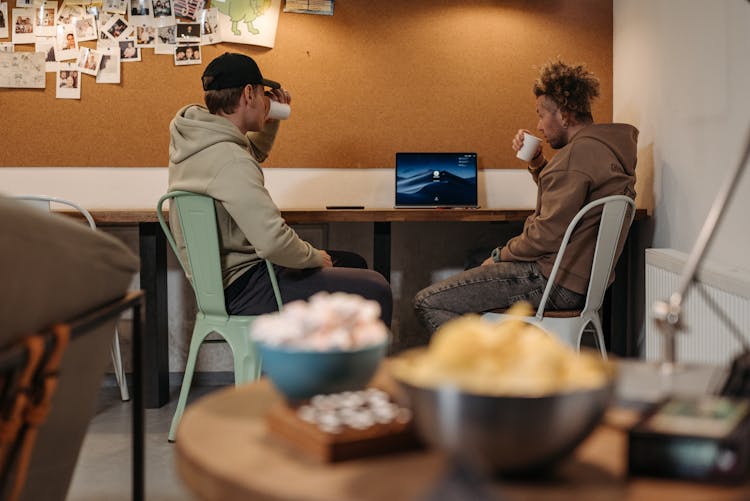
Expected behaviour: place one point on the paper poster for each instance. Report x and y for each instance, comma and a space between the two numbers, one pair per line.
22, 70
188, 9
250, 22
324, 7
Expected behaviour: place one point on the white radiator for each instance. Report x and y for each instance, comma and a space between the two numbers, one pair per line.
705, 339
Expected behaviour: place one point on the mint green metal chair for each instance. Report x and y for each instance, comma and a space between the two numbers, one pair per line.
197, 216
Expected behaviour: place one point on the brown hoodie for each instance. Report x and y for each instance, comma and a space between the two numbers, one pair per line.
598, 161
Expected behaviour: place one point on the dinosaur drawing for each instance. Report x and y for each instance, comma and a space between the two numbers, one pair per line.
245, 11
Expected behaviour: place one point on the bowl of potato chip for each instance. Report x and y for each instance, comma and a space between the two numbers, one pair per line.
507, 398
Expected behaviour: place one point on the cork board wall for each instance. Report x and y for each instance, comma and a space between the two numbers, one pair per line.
375, 78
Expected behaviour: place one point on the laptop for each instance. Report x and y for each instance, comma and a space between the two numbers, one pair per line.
436, 180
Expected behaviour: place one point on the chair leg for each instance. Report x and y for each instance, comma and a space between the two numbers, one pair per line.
187, 381
246, 364
122, 381
599, 336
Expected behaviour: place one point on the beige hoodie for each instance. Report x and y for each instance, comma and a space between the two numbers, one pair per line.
209, 155
598, 161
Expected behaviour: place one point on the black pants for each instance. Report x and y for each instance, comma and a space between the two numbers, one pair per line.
252, 293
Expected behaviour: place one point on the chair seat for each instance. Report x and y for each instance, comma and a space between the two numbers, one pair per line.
547, 313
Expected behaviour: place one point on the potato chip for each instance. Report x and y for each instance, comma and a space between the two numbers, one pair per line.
513, 357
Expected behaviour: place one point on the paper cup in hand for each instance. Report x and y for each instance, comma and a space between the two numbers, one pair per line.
530, 145
278, 111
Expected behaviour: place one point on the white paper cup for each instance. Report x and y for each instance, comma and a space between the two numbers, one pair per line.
530, 145
278, 111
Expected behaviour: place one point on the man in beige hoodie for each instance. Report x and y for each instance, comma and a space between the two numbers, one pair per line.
593, 161
216, 150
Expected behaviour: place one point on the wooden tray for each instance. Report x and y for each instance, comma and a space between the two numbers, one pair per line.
285, 425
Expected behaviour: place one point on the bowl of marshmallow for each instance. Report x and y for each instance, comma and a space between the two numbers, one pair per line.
333, 342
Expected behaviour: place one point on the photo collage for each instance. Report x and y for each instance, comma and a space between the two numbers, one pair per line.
94, 39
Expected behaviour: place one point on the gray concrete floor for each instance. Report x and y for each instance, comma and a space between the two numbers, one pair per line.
104, 468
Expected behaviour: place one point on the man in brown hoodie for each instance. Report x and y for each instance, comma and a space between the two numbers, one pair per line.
593, 161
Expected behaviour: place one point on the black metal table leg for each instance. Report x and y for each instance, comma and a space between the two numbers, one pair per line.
156, 344
382, 249
138, 415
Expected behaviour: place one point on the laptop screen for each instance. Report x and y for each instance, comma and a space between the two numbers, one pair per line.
436, 180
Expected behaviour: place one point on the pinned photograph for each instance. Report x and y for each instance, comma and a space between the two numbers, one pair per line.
67, 13
66, 44
3, 19
89, 61
145, 36
188, 32
47, 47
163, 14
140, 13
24, 3
68, 82
23, 26
128, 51
6, 46
105, 43
140, 7
188, 9
116, 6
101, 22
109, 68
187, 54
85, 28
46, 13
209, 19
117, 28
166, 40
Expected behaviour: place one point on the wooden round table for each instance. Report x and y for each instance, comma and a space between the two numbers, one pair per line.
224, 453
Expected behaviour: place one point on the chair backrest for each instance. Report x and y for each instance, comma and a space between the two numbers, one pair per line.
44, 202
611, 228
196, 214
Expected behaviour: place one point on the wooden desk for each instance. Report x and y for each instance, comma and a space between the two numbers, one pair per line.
224, 452
619, 328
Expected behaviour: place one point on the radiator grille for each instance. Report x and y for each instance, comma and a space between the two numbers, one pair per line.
719, 292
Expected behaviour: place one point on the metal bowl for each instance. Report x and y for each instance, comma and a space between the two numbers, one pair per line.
506, 435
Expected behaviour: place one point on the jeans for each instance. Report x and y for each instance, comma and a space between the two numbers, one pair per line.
487, 288
252, 293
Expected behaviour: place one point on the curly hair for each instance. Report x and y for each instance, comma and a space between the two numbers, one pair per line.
572, 88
